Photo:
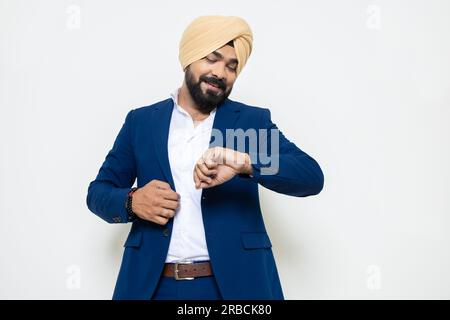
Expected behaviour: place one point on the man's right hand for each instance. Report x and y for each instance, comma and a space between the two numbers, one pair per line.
155, 202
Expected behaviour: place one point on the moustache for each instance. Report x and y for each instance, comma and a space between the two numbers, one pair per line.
215, 82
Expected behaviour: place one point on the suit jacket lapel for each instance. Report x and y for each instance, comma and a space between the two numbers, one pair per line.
160, 133
226, 116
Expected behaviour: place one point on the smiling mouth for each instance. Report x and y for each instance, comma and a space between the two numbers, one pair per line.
212, 86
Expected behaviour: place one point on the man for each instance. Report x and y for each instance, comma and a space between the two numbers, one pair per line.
197, 229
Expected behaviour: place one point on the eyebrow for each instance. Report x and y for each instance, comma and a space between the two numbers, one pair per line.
218, 55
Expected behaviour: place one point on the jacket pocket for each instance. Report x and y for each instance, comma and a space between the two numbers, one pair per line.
255, 240
134, 239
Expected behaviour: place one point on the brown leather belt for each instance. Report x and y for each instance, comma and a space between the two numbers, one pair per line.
187, 270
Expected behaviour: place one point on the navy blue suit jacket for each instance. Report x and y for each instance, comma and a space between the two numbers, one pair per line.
239, 247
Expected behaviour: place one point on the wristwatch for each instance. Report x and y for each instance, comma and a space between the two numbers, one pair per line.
128, 205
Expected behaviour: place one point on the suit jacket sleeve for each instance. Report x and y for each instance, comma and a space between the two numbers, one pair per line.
107, 194
297, 174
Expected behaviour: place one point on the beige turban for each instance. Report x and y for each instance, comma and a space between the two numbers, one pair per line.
208, 33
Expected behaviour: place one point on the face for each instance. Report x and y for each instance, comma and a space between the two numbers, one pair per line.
210, 79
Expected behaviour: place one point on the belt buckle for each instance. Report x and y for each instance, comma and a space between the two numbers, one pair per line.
176, 270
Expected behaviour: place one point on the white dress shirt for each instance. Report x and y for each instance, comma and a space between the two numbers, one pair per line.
186, 144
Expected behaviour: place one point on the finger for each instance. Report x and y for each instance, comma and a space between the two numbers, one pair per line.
204, 185
196, 179
160, 220
210, 163
202, 176
170, 204
208, 158
162, 184
169, 194
166, 213
229, 156
217, 155
204, 169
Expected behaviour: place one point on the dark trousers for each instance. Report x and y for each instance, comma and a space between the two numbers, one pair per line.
202, 288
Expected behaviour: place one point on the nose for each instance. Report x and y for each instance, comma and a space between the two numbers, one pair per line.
218, 71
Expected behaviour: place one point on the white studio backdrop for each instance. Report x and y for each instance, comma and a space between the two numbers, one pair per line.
362, 86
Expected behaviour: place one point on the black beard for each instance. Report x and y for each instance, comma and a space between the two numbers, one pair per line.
206, 102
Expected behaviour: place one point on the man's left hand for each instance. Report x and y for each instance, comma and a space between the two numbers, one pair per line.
218, 165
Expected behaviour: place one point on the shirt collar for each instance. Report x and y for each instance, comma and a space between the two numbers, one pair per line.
174, 96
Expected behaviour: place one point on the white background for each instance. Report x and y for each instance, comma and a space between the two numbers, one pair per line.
362, 86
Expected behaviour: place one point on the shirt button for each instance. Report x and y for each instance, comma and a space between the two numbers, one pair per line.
166, 232
203, 197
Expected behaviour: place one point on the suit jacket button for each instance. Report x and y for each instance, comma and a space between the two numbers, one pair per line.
166, 232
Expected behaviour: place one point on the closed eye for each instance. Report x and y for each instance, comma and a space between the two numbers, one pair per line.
210, 60
234, 69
